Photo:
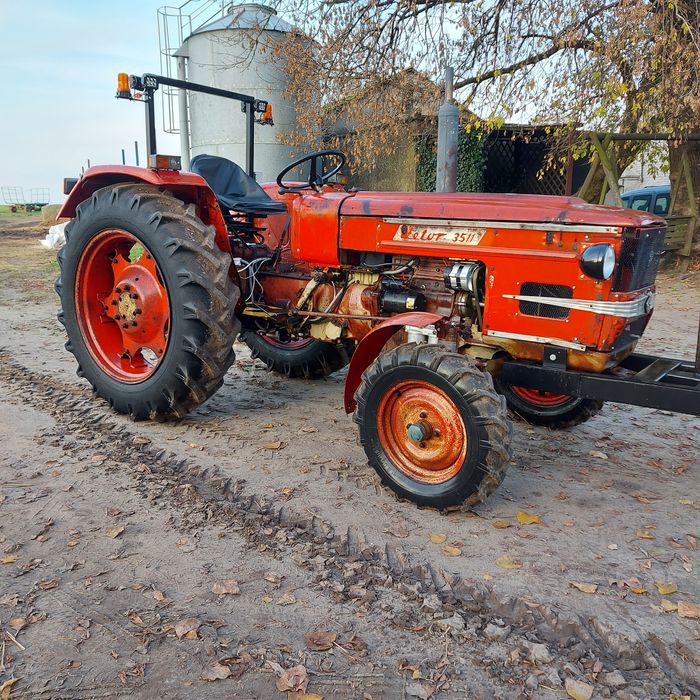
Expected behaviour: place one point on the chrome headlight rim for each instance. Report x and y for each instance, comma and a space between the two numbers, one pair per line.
598, 261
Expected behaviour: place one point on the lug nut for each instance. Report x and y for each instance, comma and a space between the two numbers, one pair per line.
114, 302
125, 325
127, 287
134, 296
137, 312
118, 290
436, 433
133, 323
117, 317
423, 414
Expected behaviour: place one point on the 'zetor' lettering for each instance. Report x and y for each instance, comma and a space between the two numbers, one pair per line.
424, 235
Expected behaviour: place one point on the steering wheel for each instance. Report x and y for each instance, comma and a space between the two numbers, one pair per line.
317, 178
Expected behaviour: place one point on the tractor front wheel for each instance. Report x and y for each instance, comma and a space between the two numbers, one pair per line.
147, 301
433, 426
556, 411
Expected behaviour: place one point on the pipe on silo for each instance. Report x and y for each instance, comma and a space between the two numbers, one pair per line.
182, 109
448, 139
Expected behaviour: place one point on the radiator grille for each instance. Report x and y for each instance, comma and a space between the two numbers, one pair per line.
542, 309
639, 259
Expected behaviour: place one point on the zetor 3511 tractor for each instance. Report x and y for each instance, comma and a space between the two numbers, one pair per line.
448, 308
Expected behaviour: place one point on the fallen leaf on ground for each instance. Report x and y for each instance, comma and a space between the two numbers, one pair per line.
508, 562
449, 550
437, 537
692, 541
159, 596
18, 623
645, 535
501, 524
48, 585
665, 588
639, 590
319, 641
598, 454
140, 440
294, 679
527, 518
227, 587
6, 688
187, 628
286, 599
689, 610
585, 587
578, 690
181, 542
668, 605
416, 690
300, 695
217, 672
113, 532
273, 445
398, 530
9, 559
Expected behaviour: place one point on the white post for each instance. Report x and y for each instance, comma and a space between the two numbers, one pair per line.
184, 121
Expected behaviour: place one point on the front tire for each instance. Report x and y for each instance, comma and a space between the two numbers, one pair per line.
147, 301
432, 426
556, 411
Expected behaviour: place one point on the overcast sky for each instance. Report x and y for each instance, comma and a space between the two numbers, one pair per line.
58, 67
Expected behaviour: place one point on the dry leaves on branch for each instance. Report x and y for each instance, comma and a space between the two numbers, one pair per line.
227, 587
319, 641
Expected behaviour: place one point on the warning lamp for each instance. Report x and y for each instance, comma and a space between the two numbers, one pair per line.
123, 89
265, 119
160, 162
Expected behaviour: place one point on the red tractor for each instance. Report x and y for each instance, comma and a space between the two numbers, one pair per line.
448, 308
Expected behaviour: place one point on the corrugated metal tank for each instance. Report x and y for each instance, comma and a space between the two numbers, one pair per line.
233, 53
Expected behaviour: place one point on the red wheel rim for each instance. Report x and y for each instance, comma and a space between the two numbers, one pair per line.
422, 431
122, 306
540, 398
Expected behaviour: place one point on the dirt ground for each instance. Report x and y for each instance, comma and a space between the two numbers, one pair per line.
248, 550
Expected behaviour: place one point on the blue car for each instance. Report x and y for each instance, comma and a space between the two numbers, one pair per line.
655, 199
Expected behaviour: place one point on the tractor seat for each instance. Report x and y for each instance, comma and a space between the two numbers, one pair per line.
234, 188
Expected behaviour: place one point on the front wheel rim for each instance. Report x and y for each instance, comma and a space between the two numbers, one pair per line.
122, 306
537, 397
422, 431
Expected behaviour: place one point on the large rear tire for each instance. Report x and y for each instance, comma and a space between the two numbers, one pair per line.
556, 411
147, 301
433, 426
304, 359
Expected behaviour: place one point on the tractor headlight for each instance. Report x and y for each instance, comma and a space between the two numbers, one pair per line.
598, 261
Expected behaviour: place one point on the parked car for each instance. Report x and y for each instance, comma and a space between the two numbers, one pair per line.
654, 199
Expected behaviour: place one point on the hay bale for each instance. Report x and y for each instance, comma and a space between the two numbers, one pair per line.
49, 213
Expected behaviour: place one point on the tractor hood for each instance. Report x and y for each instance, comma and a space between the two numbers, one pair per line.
493, 207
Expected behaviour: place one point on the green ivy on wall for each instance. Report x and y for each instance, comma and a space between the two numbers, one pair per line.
471, 162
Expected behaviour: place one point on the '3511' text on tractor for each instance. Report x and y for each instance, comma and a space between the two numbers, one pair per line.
449, 309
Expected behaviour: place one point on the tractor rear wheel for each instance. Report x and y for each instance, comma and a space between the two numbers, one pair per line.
298, 359
433, 426
557, 411
147, 301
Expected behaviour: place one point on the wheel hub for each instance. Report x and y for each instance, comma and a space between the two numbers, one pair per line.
123, 306
422, 431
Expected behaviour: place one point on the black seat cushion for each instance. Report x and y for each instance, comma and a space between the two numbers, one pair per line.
234, 188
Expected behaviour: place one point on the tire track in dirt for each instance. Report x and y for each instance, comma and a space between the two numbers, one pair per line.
346, 565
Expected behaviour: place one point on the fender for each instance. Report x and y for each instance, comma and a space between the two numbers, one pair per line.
371, 345
188, 187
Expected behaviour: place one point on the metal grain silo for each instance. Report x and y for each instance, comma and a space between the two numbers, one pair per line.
235, 53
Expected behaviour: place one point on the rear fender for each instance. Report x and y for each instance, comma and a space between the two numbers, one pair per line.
371, 345
189, 187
